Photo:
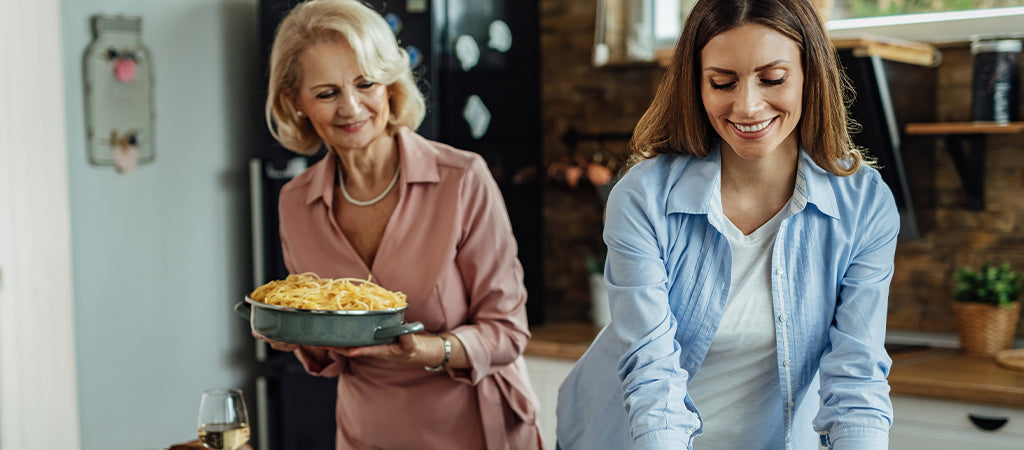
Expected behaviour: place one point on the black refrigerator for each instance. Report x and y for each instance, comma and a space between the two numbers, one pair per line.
477, 62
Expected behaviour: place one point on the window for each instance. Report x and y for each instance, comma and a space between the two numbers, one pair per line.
667, 17
946, 22
849, 9
637, 30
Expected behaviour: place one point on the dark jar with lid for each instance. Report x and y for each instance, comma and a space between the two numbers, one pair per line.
995, 87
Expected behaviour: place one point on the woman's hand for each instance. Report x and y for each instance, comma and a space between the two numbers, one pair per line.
276, 345
316, 358
408, 348
414, 349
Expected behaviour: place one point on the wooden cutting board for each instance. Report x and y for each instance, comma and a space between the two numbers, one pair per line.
1011, 359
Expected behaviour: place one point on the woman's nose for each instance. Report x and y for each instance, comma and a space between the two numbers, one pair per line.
748, 100
348, 103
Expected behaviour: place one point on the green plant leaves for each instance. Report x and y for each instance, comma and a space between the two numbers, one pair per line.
995, 285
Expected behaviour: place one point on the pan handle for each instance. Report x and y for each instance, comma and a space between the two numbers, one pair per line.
390, 332
243, 309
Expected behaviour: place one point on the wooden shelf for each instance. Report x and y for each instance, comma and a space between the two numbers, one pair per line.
942, 128
890, 49
965, 143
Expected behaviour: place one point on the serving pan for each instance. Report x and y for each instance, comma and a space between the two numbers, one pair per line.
325, 328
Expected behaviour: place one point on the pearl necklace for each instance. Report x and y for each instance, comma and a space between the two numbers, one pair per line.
341, 182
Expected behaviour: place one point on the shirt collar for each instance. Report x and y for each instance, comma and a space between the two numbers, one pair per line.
321, 184
416, 157
698, 188
814, 186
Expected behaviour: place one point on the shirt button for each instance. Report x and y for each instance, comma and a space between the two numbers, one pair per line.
783, 318
791, 404
785, 363
780, 271
789, 439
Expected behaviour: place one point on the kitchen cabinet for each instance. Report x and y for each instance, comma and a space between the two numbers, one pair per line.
550, 355
946, 425
546, 374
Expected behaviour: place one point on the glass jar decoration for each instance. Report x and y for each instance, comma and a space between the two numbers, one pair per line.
118, 80
995, 86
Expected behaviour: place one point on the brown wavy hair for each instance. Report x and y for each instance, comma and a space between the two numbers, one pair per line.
379, 57
676, 121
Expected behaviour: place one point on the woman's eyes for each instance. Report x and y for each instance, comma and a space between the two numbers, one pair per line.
326, 94
766, 81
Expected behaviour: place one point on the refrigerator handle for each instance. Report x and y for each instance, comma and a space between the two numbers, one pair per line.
258, 252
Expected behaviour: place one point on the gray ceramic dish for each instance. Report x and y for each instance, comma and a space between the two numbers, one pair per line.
326, 328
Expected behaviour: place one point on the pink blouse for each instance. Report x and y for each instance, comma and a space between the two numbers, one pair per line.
449, 247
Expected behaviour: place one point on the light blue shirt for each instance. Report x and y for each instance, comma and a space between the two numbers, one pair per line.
667, 274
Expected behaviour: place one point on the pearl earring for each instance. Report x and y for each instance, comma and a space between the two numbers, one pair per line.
300, 113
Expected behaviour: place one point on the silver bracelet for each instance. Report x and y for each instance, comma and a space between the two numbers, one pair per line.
447, 354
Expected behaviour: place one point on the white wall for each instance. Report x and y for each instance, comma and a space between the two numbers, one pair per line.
161, 254
38, 404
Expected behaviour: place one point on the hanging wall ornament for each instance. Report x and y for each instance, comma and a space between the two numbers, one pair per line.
126, 151
118, 94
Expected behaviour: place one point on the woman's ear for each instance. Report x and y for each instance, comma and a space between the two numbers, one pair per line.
291, 101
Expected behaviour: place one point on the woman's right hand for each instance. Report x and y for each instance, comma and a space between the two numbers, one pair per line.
313, 358
276, 345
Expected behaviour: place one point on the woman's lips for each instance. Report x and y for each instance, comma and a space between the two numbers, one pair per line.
752, 130
352, 127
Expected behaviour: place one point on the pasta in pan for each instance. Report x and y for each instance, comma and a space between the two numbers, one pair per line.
309, 291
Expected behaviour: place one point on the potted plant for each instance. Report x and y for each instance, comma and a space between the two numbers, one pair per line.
986, 308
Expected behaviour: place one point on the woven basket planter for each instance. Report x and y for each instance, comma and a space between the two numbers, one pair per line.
985, 329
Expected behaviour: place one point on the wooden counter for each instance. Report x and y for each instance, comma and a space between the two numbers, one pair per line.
936, 373
563, 341
947, 374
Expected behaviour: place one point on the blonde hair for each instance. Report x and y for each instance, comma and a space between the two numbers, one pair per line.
379, 57
676, 121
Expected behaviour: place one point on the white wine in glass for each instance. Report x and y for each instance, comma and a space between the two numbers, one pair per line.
223, 421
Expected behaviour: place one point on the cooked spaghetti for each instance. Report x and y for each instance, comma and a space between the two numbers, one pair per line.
309, 291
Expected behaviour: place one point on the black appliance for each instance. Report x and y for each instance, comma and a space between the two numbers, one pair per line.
477, 61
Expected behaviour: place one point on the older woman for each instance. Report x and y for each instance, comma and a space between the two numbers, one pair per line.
750, 250
419, 217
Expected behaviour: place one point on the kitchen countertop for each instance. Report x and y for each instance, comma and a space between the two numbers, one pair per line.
947, 374
936, 373
561, 341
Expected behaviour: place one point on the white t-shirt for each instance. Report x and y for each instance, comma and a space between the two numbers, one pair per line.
739, 379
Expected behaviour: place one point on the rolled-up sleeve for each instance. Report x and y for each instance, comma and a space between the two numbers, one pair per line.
496, 331
653, 383
856, 411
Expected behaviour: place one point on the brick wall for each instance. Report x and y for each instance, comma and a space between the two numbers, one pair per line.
920, 294
576, 96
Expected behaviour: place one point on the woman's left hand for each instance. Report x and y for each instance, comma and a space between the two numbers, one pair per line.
408, 348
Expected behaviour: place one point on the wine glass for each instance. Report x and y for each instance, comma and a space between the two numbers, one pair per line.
223, 421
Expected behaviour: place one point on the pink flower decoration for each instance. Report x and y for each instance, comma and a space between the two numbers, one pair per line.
124, 70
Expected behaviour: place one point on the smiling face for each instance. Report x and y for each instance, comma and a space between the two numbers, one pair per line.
347, 110
751, 85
